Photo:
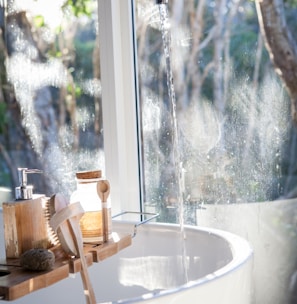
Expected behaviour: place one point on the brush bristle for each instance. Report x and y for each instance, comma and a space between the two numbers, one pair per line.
49, 211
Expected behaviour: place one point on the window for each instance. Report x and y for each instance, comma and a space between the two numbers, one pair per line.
222, 150
51, 95
232, 132
230, 165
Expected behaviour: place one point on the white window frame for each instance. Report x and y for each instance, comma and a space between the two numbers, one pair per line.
119, 93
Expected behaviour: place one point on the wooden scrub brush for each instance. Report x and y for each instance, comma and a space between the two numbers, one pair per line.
64, 220
57, 236
53, 239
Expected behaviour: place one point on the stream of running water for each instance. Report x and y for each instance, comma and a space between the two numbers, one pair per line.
178, 165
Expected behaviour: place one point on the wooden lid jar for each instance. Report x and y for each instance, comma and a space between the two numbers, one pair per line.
88, 176
91, 222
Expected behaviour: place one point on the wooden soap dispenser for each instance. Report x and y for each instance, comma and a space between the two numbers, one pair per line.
24, 221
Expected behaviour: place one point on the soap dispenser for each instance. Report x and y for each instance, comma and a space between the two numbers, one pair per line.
24, 191
25, 225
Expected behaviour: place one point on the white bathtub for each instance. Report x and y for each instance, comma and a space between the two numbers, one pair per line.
151, 270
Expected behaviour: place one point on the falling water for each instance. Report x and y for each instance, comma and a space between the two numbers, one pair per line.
166, 37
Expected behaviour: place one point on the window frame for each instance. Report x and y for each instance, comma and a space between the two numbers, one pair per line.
118, 68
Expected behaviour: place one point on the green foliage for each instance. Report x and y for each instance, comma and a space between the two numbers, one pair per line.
54, 53
3, 119
83, 60
39, 21
80, 7
290, 3
76, 90
5, 176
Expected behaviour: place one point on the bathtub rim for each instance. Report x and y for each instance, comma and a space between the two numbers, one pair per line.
240, 248
238, 245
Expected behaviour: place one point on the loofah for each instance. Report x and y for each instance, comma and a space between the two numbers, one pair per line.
37, 259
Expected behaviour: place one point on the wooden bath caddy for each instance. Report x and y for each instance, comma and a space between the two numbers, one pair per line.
15, 282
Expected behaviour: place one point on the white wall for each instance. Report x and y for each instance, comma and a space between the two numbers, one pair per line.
271, 229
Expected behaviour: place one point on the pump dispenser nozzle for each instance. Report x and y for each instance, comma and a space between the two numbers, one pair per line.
24, 191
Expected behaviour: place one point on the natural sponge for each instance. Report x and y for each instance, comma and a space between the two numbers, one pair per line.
37, 259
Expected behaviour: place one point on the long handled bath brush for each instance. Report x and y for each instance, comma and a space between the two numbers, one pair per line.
54, 237
65, 222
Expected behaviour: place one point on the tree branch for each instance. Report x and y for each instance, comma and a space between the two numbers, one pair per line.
280, 44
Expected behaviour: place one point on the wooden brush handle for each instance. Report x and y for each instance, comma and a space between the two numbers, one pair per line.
68, 219
88, 289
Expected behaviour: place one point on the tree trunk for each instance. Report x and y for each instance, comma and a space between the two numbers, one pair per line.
280, 44
219, 15
35, 128
193, 75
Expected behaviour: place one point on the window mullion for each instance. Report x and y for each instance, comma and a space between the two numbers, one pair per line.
118, 81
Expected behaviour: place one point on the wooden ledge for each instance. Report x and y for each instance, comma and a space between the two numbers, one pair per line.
16, 282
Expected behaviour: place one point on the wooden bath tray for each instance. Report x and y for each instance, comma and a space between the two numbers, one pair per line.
15, 282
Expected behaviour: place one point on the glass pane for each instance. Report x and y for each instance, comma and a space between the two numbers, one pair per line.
229, 162
50, 97
227, 150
